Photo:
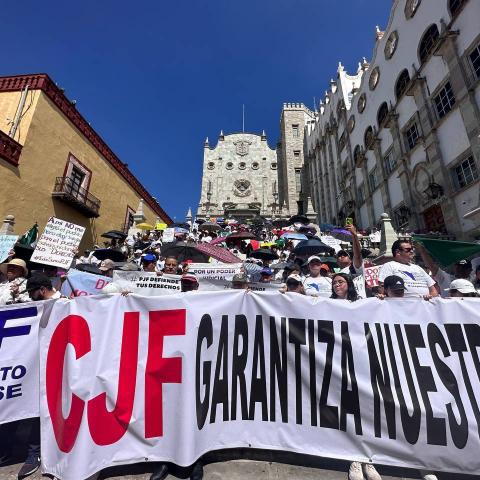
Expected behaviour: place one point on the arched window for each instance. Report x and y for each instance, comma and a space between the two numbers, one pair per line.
368, 138
382, 114
455, 6
428, 42
402, 83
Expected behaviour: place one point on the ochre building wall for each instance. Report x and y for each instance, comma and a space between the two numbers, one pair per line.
48, 139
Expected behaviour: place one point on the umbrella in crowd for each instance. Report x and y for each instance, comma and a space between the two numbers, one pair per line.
218, 240
210, 227
114, 235
447, 252
313, 246
264, 254
298, 219
111, 253
180, 230
240, 236
182, 252
326, 227
89, 268
278, 265
218, 253
144, 226
341, 234
294, 236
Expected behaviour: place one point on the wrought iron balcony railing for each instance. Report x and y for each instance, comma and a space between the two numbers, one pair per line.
76, 196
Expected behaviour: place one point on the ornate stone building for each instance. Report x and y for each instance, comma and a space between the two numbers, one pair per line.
293, 189
239, 178
402, 134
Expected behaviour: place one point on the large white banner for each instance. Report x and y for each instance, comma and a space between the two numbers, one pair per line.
58, 243
130, 379
19, 390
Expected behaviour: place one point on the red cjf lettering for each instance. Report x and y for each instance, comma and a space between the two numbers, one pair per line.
109, 427
160, 370
72, 329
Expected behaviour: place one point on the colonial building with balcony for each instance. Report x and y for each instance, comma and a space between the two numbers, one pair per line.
402, 134
52, 162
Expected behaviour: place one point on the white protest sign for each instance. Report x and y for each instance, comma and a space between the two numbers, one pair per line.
359, 283
216, 271
147, 283
19, 371
57, 243
79, 283
134, 379
331, 242
6, 244
168, 235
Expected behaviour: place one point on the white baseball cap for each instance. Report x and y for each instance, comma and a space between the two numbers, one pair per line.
462, 285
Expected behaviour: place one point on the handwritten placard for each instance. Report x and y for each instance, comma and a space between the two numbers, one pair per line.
58, 243
6, 244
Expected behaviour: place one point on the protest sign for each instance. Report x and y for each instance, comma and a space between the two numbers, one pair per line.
219, 271
359, 282
19, 371
80, 283
168, 235
186, 374
160, 226
6, 244
331, 242
371, 276
147, 283
58, 243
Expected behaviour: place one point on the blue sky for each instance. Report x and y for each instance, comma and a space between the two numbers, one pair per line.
155, 78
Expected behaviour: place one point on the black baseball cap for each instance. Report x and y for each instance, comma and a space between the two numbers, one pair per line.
37, 281
394, 282
343, 253
464, 263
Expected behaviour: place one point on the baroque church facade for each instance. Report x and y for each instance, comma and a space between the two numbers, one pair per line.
243, 177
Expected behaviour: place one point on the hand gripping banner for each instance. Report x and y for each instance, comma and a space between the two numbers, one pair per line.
129, 379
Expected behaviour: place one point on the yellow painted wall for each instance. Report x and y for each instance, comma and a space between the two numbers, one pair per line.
48, 138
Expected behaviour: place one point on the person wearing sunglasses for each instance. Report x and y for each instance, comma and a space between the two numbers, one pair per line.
417, 281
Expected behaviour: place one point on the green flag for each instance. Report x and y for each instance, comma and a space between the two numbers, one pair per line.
447, 252
29, 237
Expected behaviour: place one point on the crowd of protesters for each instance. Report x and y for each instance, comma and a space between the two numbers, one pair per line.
410, 271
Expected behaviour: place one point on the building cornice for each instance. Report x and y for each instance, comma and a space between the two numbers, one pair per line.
44, 83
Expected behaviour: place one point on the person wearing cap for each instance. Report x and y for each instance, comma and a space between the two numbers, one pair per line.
462, 288
317, 283
149, 262
15, 272
39, 287
240, 281
189, 282
394, 287
351, 264
294, 284
137, 257
106, 267
417, 281
266, 275
462, 269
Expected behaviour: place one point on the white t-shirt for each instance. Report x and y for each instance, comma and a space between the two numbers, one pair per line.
318, 286
417, 281
347, 270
